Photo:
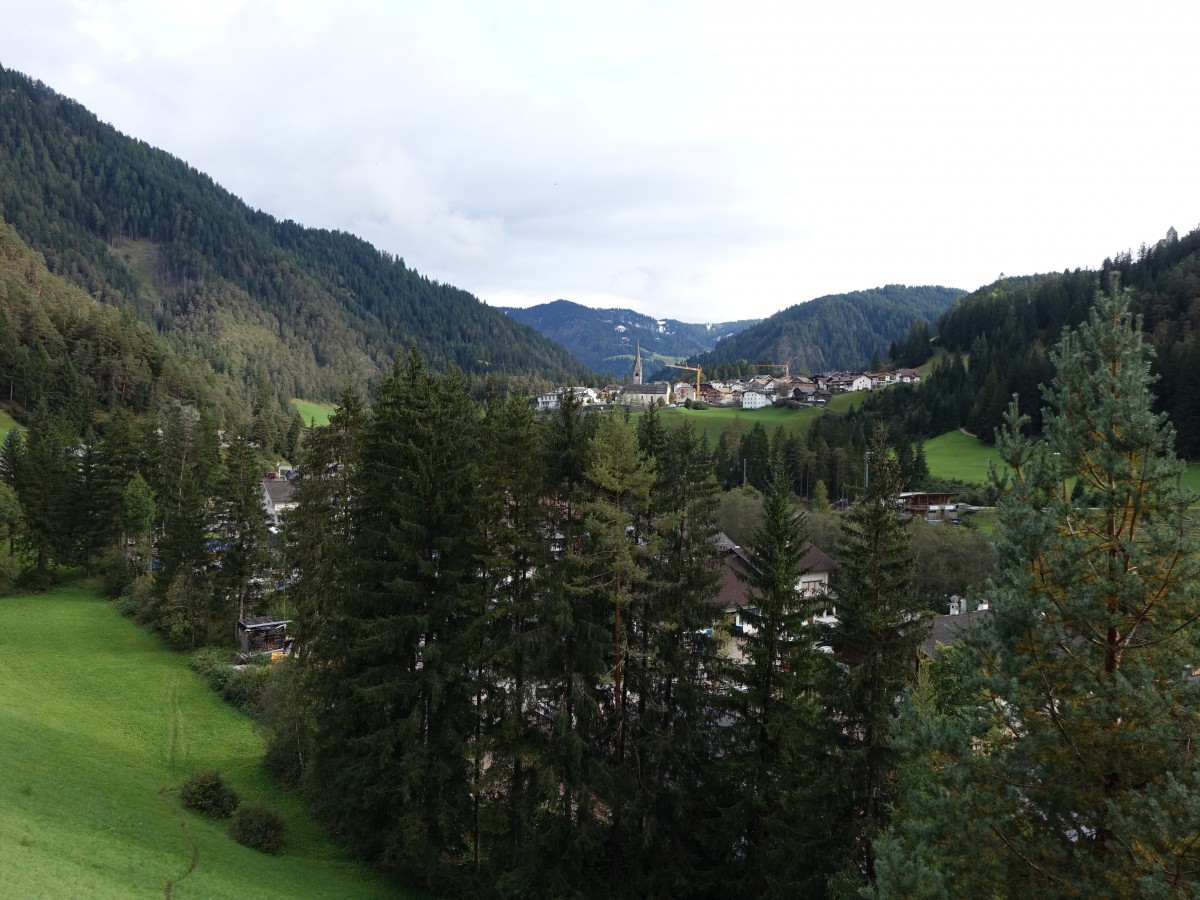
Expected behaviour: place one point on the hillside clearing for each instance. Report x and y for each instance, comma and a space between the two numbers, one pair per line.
99, 724
314, 413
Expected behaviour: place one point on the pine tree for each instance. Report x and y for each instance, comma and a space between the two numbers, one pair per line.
1078, 774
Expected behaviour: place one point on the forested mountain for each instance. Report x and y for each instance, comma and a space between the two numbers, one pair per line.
607, 339
997, 337
841, 331
308, 310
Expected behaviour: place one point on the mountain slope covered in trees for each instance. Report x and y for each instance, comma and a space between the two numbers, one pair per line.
996, 341
840, 331
262, 300
607, 339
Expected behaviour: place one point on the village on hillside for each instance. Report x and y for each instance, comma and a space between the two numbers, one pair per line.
753, 392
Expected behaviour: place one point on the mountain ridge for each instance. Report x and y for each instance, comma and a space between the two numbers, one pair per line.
139, 228
606, 339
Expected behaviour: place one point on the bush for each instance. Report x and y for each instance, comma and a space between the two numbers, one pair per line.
259, 827
115, 573
206, 792
240, 685
137, 600
9, 570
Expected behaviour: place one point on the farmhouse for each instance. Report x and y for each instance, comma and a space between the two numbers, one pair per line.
734, 594
277, 498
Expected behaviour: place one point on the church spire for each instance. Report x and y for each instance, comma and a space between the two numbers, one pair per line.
637, 365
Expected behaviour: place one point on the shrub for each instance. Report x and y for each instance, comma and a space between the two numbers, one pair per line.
137, 600
115, 573
259, 827
9, 570
206, 792
240, 685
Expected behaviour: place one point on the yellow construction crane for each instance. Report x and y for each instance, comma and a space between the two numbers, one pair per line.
787, 368
695, 369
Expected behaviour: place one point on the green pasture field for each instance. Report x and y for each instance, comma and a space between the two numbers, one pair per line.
99, 725
7, 424
959, 455
314, 413
716, 419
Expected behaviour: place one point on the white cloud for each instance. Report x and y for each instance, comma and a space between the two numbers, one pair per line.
682, 159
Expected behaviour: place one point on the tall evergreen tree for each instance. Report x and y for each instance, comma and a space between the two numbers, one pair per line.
880, 627
763, 847
395, 679
1078, 774
241, 529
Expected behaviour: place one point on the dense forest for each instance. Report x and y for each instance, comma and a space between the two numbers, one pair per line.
607, 339
838, 332
308, 309
995, 344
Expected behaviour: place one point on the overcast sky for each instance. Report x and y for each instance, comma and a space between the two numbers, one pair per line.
700, 161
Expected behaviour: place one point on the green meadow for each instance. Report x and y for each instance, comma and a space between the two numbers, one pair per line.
716, 419
99, 724
7, 424
314, 413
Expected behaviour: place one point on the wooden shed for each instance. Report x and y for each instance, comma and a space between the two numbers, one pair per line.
258, 635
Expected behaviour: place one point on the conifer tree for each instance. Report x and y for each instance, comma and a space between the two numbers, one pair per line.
242, 532
1077, 773
514, 555
395, 671
674, 723
762, 848
319, 531
881, 625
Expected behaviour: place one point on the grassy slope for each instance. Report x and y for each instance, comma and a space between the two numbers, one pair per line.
716, 419
314, 413
958, 455
7, 424
99, 723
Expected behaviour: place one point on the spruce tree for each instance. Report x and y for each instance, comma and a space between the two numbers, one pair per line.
1076, 774
395, 672
242, 532
880, 627
761, 848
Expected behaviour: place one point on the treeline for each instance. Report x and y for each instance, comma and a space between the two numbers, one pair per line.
166, 509
995, 344
517, 679
315, 310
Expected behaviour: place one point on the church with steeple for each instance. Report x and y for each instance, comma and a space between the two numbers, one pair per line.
637, 365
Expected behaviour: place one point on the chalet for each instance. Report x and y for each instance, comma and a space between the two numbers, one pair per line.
263, 636
908, 376
734, 593
947, 630
880, 380
277, 498
848, 381
930, 506
547, 402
